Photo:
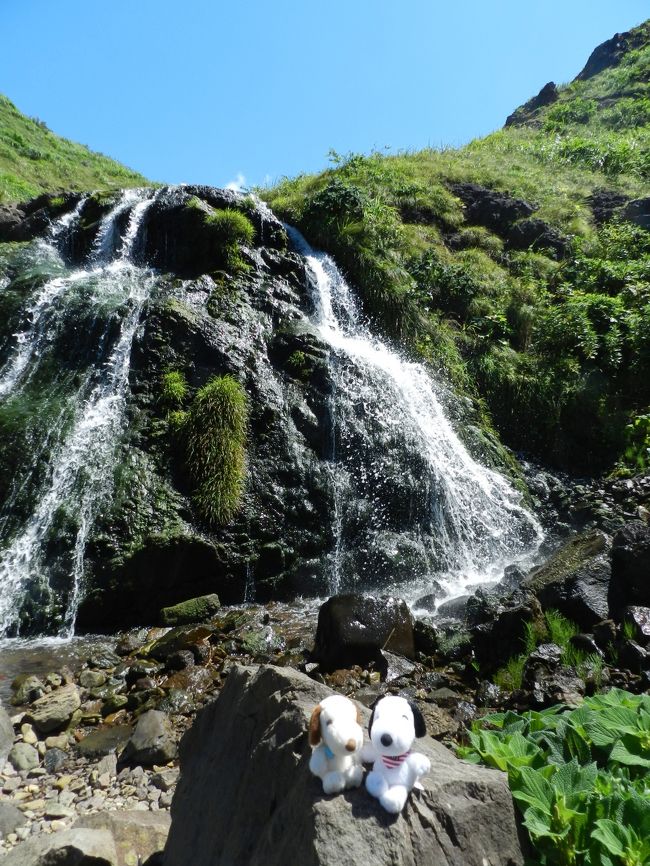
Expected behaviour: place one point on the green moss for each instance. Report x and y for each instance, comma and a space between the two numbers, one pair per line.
215, 432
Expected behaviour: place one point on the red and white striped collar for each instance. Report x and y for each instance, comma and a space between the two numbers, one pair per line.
392, 761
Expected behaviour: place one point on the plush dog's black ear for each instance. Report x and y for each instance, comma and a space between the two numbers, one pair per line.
372, 715
418, 719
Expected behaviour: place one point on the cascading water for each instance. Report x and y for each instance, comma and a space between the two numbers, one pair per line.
410, 501
85, 432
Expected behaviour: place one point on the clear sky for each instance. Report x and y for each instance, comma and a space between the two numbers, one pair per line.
206, 91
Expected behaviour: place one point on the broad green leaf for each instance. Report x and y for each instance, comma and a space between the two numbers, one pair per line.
622, 754
612, 836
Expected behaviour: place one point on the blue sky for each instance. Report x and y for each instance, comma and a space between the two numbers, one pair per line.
208, 91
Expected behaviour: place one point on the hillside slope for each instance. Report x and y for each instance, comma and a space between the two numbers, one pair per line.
33, 160
517, 264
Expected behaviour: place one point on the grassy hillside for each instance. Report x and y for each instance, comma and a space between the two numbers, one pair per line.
542, 313
35, 160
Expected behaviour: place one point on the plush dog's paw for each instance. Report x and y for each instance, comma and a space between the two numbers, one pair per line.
394, 798
354, 776
420, 764
368, 753
333, 783
376, 785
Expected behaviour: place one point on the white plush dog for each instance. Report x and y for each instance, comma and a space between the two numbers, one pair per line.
393, 726
336, 737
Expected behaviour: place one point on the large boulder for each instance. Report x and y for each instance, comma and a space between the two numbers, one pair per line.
499, 626
69, 848
193, 610
137, 835
54, 710
153, 740
630, 584
354, 629
575, 580
247, 755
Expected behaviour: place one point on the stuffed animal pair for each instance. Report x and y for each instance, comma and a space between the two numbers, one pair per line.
336, 738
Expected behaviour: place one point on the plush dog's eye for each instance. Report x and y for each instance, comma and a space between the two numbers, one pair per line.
329, 722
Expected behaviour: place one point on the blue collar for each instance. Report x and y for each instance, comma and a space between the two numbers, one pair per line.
329, 754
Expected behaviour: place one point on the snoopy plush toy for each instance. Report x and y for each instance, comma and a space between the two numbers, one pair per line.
336, 738
394, 724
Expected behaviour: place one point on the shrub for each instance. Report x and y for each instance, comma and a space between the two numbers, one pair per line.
229, 229
215, 432
174, 389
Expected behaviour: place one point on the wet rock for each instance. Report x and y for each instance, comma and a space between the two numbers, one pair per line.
575, 580
54, 710
353, 629
104, 658
488, 694
137, 835
504, 634
425, 638
153, 741
605, 633
639, 618
180, 660
104, 741
191, 611
428, 602
90, 679
630, 566
23, 757
131, 642
26, 688
631, 656
181, 638
585, 643
69, 848
455, 608
193, 680
268, 809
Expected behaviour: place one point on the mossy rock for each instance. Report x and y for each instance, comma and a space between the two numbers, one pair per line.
193, 610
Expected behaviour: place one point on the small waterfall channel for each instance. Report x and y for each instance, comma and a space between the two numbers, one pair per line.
83, 432
411, 504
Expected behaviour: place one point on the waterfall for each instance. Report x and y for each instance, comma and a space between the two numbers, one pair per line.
87, 431
408, 496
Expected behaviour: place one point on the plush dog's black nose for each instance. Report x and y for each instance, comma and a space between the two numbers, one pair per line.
386, 739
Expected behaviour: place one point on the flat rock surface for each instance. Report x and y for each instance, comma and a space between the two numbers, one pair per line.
246, 796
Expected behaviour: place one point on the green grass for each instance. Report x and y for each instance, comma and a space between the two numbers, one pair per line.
174, 390
214, 431
33, 160
556, 350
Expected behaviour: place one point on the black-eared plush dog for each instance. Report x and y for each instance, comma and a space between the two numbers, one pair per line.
394, 724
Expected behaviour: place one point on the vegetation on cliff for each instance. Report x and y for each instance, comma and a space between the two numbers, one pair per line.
516, 264
33, 160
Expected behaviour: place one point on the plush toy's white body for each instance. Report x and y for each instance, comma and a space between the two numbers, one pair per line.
396, 770
336, 738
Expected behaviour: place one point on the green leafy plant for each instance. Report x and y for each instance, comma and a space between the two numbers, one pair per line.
174, 390
579, 777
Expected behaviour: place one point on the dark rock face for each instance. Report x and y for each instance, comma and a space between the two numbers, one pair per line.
268, 809
353, 629
605, 203
546, 96
498, 627
610, 53
639, 617
537, 234
638, 212
489, 208
575, 580
630, 583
